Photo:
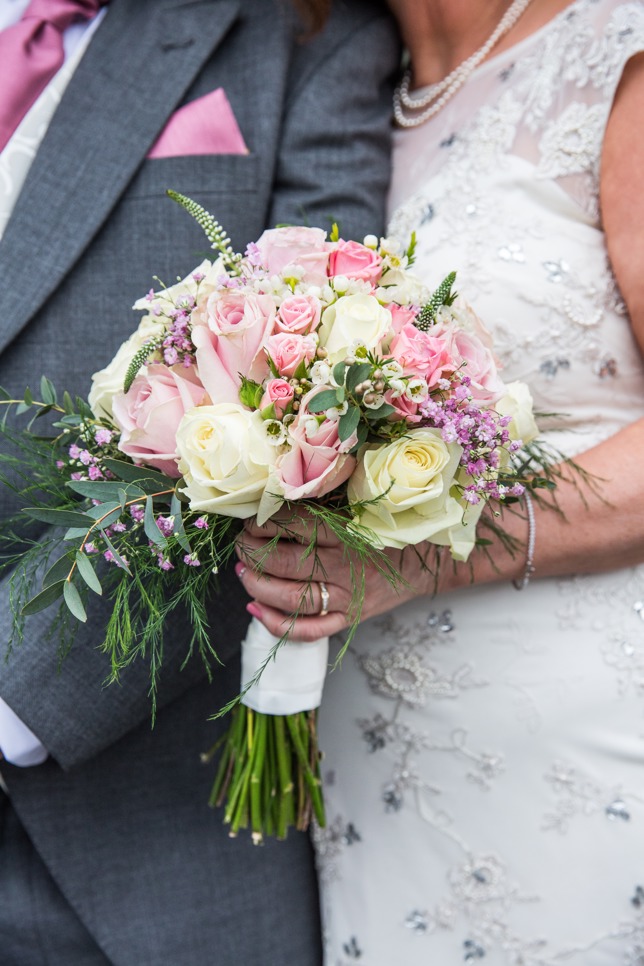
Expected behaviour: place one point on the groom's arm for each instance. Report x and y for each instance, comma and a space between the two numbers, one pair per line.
334, 158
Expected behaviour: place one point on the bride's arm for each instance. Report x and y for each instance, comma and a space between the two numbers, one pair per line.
601, 531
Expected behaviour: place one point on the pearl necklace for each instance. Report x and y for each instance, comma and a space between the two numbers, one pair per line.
437, 95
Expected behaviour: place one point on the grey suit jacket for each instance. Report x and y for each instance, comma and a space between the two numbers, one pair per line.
119, 812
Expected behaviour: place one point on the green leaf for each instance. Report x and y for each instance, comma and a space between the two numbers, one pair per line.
110, 513
29, 399
152, 531
348, 422
373, 415
357, 373
334, 236
58, 570
362, 433
44, 599
48, 391
73, 601
87, 572
322, 401
68, 404
179, 530
142, 475
59, 518
250, 393
118, 559
338, 372
139, 359
21, 408
106, 490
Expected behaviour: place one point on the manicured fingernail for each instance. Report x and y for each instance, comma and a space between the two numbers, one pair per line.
240, 569
254, 610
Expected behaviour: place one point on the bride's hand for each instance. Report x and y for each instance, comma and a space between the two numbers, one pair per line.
284, 578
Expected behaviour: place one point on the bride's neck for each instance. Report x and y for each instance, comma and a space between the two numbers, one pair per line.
441, 34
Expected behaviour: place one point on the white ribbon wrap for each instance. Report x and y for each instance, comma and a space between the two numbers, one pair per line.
292, 681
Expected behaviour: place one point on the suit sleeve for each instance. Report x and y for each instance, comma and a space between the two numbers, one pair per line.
334, 158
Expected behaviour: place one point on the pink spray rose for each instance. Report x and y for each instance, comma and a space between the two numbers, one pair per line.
149, 414
306, 248
468, 350
287, 351
317, 461
401, 315
405, 408
279, 393
298, 314
354, 260
423, 353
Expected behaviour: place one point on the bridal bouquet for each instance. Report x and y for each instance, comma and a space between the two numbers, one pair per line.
311, 371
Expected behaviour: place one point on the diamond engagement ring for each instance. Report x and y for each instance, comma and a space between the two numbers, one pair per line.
324, 599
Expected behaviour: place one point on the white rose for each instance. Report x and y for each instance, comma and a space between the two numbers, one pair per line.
412, 476
225, 457
107, 382
353, 318
517, 402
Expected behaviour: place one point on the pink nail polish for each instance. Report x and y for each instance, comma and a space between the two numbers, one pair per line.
240, 569
254, 610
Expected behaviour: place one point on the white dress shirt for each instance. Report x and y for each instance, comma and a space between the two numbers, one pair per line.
18, 744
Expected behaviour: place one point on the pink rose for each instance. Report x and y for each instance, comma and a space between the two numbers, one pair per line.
405, 408
231, 341
306, 248
317, 461
401, 315
280, 393
354, 260
423, 353
468, 351
149, 415
288, 351
298, 314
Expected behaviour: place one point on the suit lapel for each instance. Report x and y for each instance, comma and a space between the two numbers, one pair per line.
139, 65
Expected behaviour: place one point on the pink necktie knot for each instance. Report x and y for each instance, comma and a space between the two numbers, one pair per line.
32, 52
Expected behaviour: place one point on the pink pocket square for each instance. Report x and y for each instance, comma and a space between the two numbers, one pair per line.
204, 126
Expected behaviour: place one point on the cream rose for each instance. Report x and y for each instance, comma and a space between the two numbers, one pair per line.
517, 402
225, 457
412, 476
353, 318
107, 382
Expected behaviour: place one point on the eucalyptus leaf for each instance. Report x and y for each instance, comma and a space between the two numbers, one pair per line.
348, 422
179, 530
380, 413
58, 570
48, 391
118, 559
322, 401
73, 601
357, 373
106, 490
152, 531
338, 372
59, 518
138, 474
44, 599
87, 572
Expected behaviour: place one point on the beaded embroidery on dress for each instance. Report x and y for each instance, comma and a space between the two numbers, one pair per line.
484, 752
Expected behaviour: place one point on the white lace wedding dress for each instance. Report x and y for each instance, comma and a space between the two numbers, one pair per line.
484, 763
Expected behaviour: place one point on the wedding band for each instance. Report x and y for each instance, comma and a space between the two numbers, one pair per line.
324, 599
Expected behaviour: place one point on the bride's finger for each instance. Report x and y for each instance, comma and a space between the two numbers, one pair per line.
289, 559
298, 526
303, 629
311, 598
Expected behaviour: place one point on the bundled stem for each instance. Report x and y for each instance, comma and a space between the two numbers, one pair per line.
268, 776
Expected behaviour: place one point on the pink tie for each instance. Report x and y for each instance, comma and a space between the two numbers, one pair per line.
31, 53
